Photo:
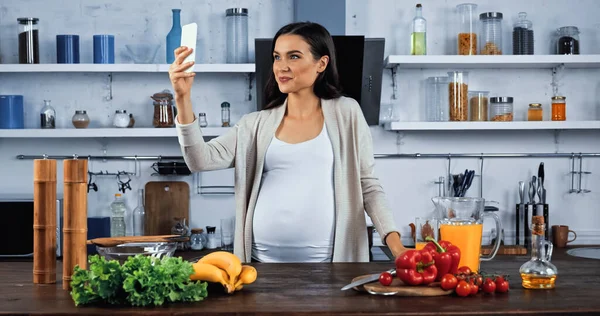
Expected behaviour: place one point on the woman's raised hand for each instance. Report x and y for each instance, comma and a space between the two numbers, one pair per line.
181, 80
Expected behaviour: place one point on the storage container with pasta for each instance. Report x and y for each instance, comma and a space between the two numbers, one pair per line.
458, 90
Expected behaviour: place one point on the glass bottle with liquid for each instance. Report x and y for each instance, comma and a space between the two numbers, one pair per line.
47, 116
539, 272
138, 215
117, 220
418, 37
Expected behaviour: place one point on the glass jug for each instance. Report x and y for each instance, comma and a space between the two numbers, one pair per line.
461, 223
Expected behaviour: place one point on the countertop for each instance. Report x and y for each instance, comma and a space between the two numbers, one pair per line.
300, 289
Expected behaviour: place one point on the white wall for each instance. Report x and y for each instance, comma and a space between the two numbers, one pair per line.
409, 183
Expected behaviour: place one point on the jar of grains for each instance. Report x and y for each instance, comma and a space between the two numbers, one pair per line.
478, 105
502, 109
458, 90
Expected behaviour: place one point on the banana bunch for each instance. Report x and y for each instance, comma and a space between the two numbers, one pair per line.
225, 268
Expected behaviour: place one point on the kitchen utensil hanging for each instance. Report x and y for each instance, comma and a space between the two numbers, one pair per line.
580, 173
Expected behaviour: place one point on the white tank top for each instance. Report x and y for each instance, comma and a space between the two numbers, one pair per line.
294, 218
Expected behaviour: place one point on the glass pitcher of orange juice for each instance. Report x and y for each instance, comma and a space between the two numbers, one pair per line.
461, 223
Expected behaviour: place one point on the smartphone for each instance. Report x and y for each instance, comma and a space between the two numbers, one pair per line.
189, 34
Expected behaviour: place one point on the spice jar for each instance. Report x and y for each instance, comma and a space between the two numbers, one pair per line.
502, 109
198, 239
478, 105
29, 46
225, 114
202, 119
568, 40
121, 119
467, 29
458, 90
80, 119
163, 109
559, 108
535, 112
491, 33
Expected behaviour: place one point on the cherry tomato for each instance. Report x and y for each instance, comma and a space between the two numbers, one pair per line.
449, 282
463, 288
474, 288
478, 280
385, 278
464, 270
502, 286
489, 286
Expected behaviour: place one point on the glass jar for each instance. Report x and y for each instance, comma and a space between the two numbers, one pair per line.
29, 43
559, 108
163, 114
501, 109
202, 119
198, 239
80, 119
225, 114
237, 35
458, 90
211, 237
467, 29
478, 105
490, 42
567, 42
47, 116
535, 112
121, 119
436, 99
523, 36
181, 229
539, 273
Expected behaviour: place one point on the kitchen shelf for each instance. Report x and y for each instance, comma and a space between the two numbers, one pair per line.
492, 61
122, 68
479, 126
103, 132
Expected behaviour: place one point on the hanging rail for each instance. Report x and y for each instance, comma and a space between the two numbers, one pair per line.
23, 157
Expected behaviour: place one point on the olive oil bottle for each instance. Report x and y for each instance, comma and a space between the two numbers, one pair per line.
539, 272
418, 37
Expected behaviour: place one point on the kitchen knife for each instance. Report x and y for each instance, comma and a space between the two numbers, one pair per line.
541, 176
369, 279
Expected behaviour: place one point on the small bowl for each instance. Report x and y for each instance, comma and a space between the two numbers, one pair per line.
142, 53
124, 251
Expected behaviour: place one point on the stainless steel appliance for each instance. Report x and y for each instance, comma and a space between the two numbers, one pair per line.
16, 225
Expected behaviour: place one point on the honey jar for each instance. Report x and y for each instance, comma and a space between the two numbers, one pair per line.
535, 112
559, 108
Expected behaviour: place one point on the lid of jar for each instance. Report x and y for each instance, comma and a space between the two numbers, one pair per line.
197, 230
501, 99
236, 11
210, 229
438, 79
80, 112
558, 97
490, 15
535, 105
202, 114
225, 104
25, 20
568, 30
120, 111
523, 22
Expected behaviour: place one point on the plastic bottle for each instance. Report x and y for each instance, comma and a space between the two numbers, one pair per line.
117, 221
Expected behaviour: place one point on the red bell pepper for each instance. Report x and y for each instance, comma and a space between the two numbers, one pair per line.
416, 267
446, 256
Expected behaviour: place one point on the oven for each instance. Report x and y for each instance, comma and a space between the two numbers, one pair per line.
16, 226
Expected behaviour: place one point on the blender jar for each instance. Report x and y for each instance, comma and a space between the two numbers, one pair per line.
458, 90
467, 29
436, 99
491, 33
29, 43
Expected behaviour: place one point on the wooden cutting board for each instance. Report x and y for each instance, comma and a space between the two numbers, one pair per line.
398, 288
164, 201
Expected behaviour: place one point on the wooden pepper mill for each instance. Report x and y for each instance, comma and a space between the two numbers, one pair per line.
74, 217
44, 221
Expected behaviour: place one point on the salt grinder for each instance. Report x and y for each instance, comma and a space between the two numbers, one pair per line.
44, 221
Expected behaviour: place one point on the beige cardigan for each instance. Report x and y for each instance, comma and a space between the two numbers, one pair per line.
356, 188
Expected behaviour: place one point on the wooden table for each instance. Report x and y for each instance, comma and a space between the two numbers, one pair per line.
295, 289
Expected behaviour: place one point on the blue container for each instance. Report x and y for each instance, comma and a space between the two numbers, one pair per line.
104, 49
174, 36
67, 49
11, 112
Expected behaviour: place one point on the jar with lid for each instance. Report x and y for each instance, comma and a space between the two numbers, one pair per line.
535, 112
467, 29
29, 43
458, 90
163, 109
436, 99
237, 35
478, 105
80, 119
211, 237
491, 33
567, 42
559, 108
198, 239
501, 109
202, 119
523, 36
225, 114
121, 119
47, 116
